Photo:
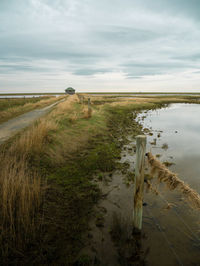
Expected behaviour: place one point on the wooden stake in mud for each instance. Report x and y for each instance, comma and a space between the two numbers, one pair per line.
139, 181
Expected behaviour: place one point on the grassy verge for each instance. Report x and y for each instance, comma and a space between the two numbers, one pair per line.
46, 183
10, 108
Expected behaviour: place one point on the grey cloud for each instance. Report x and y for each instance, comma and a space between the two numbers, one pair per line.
133, 77
126, 35
188, 8
86, 37
189, 57
91, 71
21, 68
144, 68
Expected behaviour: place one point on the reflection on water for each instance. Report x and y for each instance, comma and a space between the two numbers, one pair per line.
173, 234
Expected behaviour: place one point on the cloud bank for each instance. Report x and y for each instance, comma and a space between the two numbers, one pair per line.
131, 45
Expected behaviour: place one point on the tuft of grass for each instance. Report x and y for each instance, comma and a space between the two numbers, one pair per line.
165, 146
168, 164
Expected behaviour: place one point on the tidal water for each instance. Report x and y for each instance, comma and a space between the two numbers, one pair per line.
169, 236
173, 235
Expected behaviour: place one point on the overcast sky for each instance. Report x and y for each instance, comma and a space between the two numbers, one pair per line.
99, 45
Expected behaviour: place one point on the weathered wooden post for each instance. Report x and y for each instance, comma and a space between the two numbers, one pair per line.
139, 181
89, 108
89, 103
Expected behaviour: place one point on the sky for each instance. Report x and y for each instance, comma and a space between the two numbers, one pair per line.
99, 45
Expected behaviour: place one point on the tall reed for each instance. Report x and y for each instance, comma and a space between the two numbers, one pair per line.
21, 186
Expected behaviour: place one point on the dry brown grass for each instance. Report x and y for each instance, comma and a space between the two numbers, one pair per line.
20, 195
124, 101
33, 139
172, 180
87, 112
20, 198
20, 186
15, 111
65, 107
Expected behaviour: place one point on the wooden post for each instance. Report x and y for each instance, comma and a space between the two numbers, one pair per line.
139, 181
89, 105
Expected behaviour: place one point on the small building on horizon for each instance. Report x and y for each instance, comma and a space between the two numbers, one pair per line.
70, 91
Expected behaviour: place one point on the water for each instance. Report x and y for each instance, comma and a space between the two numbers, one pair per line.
170, 235
173, 235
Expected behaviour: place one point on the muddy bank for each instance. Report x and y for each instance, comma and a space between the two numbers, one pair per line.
170, 226
111, 240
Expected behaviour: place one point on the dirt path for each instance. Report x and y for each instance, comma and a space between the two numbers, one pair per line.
11, 127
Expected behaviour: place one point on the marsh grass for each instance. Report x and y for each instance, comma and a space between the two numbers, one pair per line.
64, 150
172, 180
37, 150
15, 102
10, 108
21, 186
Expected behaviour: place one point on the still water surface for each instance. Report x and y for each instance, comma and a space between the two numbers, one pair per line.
173, 235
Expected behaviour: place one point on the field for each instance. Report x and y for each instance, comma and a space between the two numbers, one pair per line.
51, 176
10, 108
